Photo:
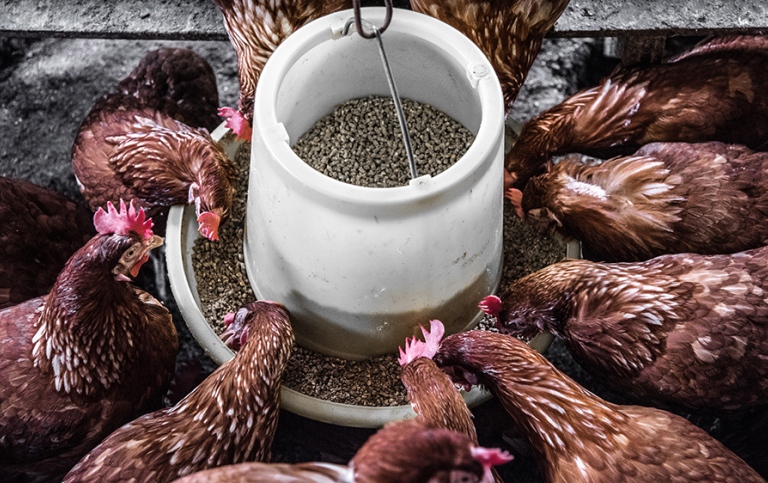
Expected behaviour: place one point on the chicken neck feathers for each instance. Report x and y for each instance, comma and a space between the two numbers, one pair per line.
69, 371
632, 199
146, 156
229, 418
576, 436
158, 163
435, 399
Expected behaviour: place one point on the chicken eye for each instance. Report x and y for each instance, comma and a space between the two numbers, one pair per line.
131, 252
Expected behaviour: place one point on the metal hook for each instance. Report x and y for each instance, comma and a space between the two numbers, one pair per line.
390, 78
359, 19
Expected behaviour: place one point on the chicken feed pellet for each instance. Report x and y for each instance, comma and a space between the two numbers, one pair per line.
223, 287
360, 142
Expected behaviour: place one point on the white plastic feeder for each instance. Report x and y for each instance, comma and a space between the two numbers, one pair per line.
181, 236
358, 267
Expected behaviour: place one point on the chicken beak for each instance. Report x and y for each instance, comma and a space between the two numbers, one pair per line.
154, 242
515, 196
149, 244
509, 179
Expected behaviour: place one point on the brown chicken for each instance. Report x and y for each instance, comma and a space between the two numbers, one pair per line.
681, 330
577, 436
431, 392
410, 451
718, 91
509, 32
667, 198
256, 28
403, 452
142, 142
229, 418
177, 82
39, 230
91, 355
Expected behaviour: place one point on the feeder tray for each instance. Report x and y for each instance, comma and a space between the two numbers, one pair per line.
360, 268
181, 234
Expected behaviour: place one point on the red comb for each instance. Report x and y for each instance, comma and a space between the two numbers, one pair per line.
491, 456
237, 123
208, 225
122, 222
414, 348
491, 305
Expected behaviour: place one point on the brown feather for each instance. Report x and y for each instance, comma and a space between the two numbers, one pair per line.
687, 331
229, 418
257, 27
435, 399
177, 82
509, 32
411, 452
134, 145
40, 230
575, 435
715, 93
403, 452
667, 198
79, 362
272, 473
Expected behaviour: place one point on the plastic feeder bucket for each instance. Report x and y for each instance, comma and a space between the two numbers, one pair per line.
360, 268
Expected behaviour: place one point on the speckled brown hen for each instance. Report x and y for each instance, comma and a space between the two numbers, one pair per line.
403, 452
577, 436
667, 198
716, 92
88, 357
229, 418
412, 451
509, 32
432, 395
256, 28
40, 230
147, 141
431, 392
681, 330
